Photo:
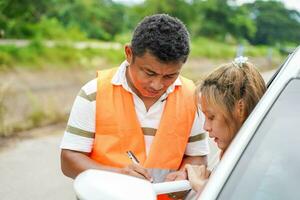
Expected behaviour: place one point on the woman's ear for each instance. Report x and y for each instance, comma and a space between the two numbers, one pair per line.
128, 53
240, 110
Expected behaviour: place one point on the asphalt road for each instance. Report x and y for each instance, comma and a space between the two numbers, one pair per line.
30, 168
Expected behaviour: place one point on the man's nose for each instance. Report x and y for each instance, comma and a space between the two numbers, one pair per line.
156, 84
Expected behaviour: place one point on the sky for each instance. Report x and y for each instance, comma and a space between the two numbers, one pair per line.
290, 4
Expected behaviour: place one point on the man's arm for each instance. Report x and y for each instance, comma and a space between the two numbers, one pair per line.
74, 162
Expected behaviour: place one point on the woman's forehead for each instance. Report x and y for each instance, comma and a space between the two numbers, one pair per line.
206, 105
210, 105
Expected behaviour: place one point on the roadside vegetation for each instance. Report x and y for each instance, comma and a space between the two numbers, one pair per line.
65, 55
61, 56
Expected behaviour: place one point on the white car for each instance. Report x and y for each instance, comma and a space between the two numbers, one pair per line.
262, 162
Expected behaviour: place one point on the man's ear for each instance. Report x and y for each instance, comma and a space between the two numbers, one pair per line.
128, 53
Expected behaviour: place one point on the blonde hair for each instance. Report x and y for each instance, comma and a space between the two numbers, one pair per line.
230, 83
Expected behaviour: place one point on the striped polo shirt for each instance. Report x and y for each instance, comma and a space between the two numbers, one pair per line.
80, 132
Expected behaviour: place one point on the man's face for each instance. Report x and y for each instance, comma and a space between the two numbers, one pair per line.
148, 77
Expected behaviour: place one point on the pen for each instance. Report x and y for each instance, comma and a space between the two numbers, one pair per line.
135, 160
132, 157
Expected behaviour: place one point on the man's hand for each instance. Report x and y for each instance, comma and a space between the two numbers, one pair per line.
198, 176
176, 176
136, 171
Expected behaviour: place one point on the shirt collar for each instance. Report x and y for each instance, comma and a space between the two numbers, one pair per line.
120, 79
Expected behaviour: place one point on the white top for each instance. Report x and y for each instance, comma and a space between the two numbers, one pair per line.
80, 132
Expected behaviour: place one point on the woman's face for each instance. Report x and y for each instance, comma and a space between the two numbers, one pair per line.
215, 124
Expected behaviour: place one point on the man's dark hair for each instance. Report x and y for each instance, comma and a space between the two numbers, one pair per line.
162, 36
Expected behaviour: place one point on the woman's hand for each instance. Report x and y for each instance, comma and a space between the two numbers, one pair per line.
198, 176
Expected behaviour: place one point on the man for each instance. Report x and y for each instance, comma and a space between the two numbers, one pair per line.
144, 106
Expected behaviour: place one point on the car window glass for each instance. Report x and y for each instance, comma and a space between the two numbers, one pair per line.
270, 166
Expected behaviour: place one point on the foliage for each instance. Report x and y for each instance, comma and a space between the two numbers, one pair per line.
178, 8
61, 18
94, 17
65, 55
220, 19
16, 16
260, 22
202, 47
51, 28
275, 23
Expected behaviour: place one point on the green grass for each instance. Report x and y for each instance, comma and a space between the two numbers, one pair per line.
36, 55
204, 47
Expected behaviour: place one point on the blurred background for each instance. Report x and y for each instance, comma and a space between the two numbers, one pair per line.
49, 49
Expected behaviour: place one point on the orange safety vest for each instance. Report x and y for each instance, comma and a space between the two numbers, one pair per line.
118, 129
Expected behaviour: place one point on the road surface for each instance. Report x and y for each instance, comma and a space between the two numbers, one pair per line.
30, 168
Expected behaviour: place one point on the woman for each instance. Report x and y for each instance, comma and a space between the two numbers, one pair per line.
226, 97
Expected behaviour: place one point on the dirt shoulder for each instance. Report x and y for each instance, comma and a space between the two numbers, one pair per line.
7, 143
30, 99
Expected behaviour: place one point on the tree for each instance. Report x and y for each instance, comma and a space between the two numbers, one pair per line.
15, 15
100, 19
221, 19
275, 23
176, 8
